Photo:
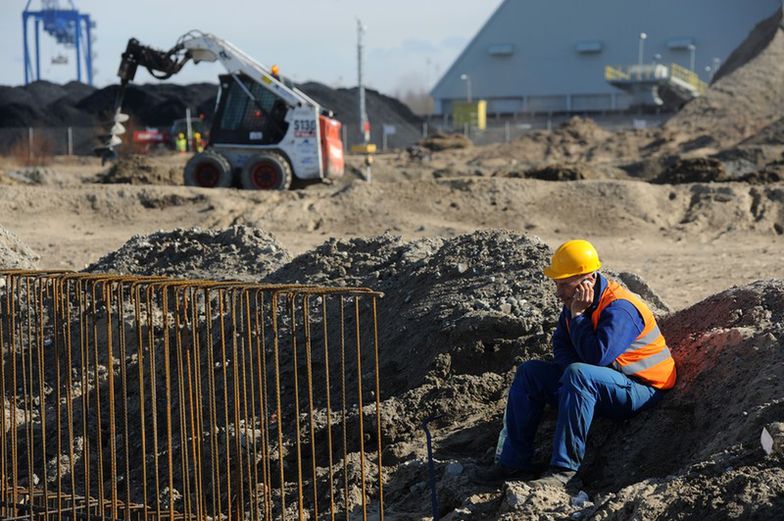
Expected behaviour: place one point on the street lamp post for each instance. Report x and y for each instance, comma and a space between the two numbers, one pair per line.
640, 51
692, 57
466, 78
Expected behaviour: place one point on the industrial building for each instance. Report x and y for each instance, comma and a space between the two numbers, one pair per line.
561, 56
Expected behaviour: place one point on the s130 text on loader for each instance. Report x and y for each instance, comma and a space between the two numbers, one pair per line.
265, 132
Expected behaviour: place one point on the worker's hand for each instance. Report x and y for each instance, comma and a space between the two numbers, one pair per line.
583, 297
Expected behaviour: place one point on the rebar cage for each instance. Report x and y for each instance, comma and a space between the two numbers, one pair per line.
130, 397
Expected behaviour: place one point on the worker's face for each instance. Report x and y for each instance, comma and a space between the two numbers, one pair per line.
565, 288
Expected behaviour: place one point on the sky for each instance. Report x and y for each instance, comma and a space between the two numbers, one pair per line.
409, 44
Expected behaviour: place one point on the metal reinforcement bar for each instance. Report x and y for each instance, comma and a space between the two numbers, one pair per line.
154, 398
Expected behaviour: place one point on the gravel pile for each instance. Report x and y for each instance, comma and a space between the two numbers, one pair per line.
237, 253
14, 254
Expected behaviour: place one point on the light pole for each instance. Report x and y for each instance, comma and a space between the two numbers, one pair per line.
692, 56
466, 78
640, 50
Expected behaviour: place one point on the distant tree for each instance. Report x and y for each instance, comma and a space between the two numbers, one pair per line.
417, 99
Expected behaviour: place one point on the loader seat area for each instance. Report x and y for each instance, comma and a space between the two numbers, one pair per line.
242, 120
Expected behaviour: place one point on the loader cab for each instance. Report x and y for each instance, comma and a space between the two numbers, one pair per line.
244, 120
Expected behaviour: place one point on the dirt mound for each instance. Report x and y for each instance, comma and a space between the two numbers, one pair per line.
440, 141
577, 140
773, 134
14, 254
236, 253
139, 170
747, 95
557, 172
696, 170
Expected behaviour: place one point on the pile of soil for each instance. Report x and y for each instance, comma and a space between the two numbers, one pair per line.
14, 254
236, 253
696, 170
439, 141
556, 172
577, 140
139, 170
746, 96
460, 314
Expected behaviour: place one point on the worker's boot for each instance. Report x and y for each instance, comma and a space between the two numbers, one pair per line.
561, 478
499, 474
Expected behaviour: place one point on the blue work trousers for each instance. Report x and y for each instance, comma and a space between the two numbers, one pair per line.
579, 392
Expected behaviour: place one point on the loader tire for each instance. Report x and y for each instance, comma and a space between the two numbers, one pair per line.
208, 169
266, 171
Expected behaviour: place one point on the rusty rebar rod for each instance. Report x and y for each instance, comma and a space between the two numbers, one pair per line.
167, 390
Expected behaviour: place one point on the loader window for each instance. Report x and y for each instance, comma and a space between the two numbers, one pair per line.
243, 120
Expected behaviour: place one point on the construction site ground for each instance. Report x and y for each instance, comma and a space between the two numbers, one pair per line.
688, 241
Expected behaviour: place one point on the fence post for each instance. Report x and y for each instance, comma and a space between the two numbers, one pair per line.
424, 129
29, 143
384, 140
70, 141
345, 138
465, 129
507, 132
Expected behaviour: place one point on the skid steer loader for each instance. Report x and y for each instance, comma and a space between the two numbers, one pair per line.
265, 132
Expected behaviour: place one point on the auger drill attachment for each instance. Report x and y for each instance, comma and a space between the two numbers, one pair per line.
161, 64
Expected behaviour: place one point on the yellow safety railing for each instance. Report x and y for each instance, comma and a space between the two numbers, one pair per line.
613, 73
682, 73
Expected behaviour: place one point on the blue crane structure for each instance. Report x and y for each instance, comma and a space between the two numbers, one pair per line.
68, 27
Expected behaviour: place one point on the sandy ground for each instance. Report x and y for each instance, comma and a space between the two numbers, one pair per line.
651, 230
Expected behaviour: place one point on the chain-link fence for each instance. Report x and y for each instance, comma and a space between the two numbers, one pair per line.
34, 142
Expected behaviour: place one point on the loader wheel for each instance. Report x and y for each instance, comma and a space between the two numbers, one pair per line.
266, 171
208, 169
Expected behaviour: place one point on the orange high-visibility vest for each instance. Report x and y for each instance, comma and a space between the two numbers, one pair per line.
647, 359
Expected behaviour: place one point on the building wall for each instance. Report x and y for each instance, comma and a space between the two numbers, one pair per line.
549, 55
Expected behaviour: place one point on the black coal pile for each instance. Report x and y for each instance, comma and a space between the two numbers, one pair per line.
43, 103
153, 105
237, 253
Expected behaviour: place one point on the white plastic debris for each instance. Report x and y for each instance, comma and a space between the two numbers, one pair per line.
580, 499
772, 438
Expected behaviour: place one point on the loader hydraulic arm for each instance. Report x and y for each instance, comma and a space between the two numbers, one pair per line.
160, 64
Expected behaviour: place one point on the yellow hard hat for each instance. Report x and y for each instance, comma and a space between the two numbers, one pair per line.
197, 134
275, 70
576, 257
181, 135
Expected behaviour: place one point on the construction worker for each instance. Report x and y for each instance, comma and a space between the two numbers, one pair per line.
181, 144
198, 144
609, 358
275, 70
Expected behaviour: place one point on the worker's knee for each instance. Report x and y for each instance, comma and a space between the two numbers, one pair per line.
529, 374
575, 376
